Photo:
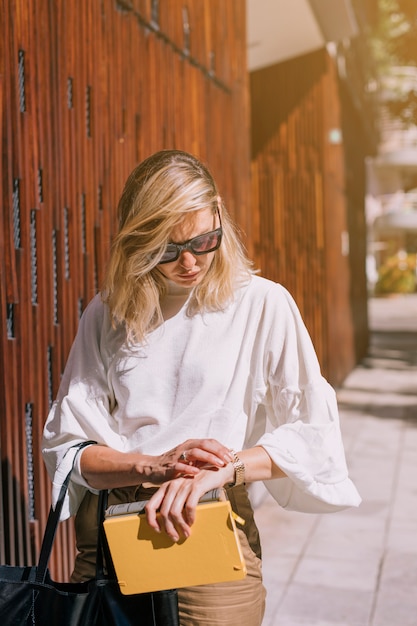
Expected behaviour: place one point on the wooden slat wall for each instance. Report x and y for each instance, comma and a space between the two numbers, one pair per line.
299, 184
339, 331
87, 90
357, 147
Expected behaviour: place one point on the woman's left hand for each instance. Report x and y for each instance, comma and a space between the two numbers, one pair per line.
172, 508
177, 499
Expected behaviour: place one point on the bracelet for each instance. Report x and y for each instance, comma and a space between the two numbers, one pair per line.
239, 467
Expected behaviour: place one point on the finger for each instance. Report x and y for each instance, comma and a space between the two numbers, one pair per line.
200, 458
164, 511
185, 469
207, 451
189, 509
180, 508
171, 513
175, 527
211, 446
152, 507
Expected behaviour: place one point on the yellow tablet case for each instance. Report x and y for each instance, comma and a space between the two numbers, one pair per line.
145, 560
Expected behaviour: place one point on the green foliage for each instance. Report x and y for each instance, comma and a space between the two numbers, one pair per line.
397, 275
405, 42
395, 33
394, 44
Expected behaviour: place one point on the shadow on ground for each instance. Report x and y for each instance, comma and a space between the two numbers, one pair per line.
385, 383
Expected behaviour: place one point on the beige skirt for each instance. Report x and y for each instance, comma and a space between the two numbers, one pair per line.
223, 604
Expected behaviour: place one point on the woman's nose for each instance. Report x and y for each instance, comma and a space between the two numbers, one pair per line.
187, 259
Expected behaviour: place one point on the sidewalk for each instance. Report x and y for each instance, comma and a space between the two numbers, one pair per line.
358, 567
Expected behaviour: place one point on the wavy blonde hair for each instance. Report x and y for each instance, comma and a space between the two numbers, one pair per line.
157, 195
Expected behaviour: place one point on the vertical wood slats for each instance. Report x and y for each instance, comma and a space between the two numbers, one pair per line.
304, 206
99, 89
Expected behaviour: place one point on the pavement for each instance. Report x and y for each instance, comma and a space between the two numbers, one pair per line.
358, 567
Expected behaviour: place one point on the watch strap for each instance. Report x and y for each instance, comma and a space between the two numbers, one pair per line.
239, 468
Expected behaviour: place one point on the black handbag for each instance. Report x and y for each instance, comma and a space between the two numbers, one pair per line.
28, 595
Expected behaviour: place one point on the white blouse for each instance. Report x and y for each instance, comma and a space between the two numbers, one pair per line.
247, 375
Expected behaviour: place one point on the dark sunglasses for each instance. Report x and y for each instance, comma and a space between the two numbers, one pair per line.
202, 244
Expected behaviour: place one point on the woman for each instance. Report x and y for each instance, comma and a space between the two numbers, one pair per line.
186, 350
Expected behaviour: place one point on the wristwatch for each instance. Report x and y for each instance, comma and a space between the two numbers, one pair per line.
239, 468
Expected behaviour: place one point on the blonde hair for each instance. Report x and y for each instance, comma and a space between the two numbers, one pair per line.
156, 196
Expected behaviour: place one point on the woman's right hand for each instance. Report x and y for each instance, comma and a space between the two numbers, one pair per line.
106, 468
188, 458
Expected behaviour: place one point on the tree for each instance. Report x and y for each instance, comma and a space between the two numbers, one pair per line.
394, 44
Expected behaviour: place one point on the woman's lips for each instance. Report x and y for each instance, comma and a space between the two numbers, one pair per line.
188, 276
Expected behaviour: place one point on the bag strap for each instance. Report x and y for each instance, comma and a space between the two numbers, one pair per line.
102, 555
104, 562
53, 519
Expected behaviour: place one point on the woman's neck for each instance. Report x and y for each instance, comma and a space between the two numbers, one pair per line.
174, 299
174, 290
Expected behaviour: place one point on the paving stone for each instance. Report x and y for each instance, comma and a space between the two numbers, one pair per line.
358, 567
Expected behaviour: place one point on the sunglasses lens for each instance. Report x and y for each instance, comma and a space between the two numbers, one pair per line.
205, 243
202, 244
170, 254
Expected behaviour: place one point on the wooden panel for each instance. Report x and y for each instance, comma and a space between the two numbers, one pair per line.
299, 185
89, 89
339, 327
356, 151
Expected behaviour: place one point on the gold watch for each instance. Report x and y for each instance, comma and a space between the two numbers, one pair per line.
239, 468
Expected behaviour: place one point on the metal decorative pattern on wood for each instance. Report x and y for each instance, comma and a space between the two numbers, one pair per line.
87, 90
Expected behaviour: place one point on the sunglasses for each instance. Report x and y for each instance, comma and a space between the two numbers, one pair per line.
202, 244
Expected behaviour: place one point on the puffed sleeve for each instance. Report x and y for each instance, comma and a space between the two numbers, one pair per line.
82, 409
305, 439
